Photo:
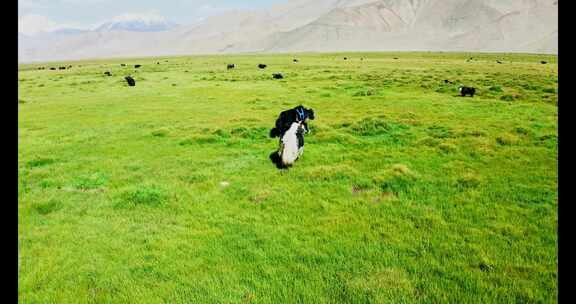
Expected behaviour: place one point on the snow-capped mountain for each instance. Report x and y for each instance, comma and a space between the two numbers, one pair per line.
137, 23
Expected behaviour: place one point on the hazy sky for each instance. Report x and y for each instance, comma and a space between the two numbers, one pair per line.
35, 15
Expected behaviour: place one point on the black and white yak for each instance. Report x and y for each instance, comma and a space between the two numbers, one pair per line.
291, 126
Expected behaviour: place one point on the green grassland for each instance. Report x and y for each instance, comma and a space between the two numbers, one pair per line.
406, 192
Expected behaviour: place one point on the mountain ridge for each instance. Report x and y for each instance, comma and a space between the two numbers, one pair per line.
330, 25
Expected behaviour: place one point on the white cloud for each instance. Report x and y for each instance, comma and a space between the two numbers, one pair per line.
147, 16
32, 24
32, 4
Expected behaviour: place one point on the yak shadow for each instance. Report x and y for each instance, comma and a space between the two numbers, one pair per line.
275, 158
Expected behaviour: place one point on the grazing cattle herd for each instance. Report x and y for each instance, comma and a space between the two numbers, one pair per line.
463, 90
292, 124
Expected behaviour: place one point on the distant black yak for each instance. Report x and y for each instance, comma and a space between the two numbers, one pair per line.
107, 73
230, 66
122, 64
467, 91
130, 80
62, 68
498, 61
137, 66
543, 62
53, 68
277, 76
262, 66
294, 60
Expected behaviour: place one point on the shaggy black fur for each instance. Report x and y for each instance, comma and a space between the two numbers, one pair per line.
130, 80
275, 158
467, 91
277, 76
262, 66
286, 118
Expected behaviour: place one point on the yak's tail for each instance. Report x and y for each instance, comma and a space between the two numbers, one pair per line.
274, 132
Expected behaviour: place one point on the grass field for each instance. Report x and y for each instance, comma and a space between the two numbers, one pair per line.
165, 193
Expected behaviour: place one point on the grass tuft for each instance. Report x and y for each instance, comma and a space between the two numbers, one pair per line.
396, 179
47, 207
90, 181
142, 196
40, 162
